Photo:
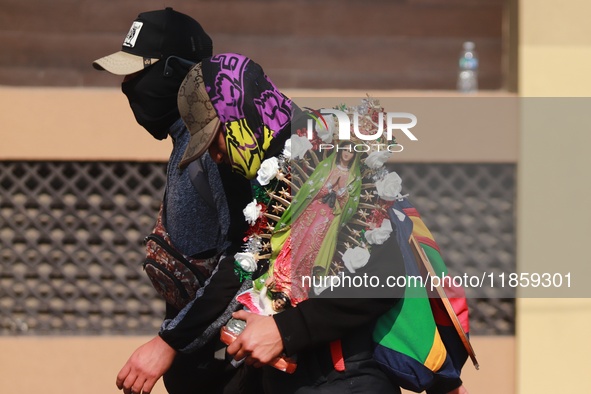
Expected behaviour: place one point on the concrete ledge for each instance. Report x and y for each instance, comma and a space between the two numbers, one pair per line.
97, 124
58, 365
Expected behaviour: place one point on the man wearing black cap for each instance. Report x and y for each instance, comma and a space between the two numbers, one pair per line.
156, 55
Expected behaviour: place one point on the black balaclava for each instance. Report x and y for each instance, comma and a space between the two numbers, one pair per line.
152, 95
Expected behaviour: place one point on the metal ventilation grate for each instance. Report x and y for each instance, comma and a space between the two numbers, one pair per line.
71, 236
470, 209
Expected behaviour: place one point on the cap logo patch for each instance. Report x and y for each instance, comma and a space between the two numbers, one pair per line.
133, 34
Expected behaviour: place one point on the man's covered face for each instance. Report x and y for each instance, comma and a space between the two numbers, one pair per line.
153, 96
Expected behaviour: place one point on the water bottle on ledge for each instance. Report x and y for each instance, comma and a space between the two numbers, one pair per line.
468, 70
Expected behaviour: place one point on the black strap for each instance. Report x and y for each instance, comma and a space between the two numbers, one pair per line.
198, 176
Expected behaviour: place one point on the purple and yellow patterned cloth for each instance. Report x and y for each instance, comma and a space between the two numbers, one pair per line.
250, 107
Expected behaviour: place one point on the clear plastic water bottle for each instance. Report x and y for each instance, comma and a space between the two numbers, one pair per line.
468, 70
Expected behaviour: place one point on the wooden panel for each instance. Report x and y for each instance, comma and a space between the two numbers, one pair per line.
349, 18
381, 63
372, 44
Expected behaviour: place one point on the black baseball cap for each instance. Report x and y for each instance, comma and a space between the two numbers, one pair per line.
156, 35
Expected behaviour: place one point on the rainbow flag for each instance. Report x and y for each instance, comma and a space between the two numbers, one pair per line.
416, 341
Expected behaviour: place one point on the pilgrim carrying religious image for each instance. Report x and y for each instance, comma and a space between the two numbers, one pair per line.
348, 202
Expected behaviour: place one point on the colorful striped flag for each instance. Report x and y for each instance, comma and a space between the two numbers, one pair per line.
420, 342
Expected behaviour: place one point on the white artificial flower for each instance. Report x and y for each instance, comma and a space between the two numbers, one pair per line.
246, 261
355, 258
379, 235
299, 146
268, 171
377, 159
389, 187
325, 133
252, 212
287, 149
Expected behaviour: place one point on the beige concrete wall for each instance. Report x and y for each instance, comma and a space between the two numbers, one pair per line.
555, 59
97, 124
72, 124
554, 48
58, 365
